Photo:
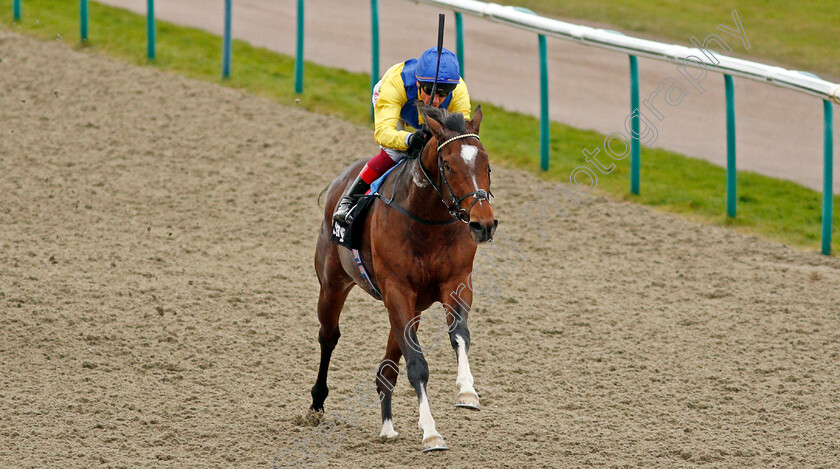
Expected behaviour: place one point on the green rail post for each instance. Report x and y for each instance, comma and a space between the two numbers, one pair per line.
459, 40
16, 10
83, 12
150, 29
635, 155
828, 183
731, 171
226, 41
374, 41
544, 122
299, 55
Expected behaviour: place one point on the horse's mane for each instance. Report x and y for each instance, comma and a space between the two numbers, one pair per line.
454, 121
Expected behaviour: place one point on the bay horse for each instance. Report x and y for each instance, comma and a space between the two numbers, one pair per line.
418, 253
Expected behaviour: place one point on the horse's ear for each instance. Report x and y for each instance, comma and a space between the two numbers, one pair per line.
475, 123
435, 126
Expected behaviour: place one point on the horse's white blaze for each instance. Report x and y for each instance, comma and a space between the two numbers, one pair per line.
468, 154
464, 381
388, 429
426, 423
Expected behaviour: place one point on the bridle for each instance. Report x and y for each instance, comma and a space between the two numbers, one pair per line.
455, 209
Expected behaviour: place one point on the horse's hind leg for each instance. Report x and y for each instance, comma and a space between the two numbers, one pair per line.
330, 302
386, 379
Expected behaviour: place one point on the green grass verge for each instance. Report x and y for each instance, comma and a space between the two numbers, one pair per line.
778, 210
797, 34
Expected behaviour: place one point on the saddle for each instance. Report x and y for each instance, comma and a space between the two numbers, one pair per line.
350, 235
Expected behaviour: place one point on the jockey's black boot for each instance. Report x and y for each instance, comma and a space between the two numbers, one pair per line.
345, 205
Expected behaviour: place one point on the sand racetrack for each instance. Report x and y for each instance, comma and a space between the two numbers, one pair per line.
157, 302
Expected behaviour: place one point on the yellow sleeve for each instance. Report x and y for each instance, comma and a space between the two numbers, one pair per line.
386, 113
460, 100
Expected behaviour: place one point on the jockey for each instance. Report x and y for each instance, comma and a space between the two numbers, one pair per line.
395, 100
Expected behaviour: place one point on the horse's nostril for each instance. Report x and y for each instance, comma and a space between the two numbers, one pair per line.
476, 226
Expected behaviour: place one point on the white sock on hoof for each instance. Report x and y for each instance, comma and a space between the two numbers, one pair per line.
388, 429
464, 381
426, 423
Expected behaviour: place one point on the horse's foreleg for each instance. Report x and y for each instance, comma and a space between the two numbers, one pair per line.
459, 337
330, 302
404, 328
386, 379
418, 376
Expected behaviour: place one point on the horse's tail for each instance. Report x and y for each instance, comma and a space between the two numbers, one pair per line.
322, 193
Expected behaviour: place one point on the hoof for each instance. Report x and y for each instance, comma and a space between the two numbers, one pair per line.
312, 418
389, 435
434, 443
388, 430
468, 400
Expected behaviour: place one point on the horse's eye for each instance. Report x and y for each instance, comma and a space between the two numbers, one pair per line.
446, 166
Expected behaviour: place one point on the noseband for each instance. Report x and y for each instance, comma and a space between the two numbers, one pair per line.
455, 209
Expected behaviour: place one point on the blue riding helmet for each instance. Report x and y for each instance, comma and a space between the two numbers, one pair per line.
450, 72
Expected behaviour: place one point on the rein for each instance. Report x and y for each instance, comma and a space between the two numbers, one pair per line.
457, 212
390, 202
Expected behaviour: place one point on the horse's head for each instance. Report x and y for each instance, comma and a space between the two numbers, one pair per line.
464, 169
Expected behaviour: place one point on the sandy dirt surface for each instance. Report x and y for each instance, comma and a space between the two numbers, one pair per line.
779, 132
157, 302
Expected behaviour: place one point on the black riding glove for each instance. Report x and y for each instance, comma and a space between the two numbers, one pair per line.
417, 141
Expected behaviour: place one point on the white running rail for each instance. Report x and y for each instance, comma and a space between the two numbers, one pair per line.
778, 76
